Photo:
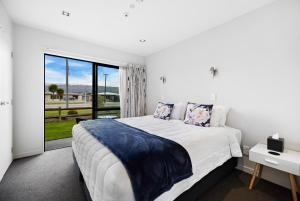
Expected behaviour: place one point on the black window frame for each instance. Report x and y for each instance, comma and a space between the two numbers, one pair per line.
95, 109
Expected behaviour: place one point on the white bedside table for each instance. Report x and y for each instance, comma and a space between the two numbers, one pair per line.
288, 161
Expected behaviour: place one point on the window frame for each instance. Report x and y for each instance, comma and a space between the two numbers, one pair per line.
95, 109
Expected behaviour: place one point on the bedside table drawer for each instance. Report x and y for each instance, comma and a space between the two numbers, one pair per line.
277, 162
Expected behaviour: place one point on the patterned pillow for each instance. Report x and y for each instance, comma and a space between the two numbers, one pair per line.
198, 114
163, 111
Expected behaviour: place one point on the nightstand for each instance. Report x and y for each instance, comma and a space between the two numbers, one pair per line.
288, 161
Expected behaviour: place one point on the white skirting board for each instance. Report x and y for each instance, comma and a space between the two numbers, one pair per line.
29, 153
269, 174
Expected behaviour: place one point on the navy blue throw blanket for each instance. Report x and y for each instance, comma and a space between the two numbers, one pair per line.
154, 164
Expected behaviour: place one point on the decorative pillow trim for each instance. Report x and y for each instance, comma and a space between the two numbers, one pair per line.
198, 114
163, 111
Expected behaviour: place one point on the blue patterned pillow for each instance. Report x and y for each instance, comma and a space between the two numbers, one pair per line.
198, 114
163, 111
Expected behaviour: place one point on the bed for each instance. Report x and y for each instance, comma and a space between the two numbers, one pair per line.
106, 178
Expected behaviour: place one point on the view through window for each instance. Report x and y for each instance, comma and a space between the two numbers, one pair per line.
108, 92
69, 94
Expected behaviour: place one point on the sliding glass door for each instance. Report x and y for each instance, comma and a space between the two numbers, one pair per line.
77, 89
68, 95
108, 100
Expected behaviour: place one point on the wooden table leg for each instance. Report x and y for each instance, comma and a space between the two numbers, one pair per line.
260, 171
294, 187
257, 170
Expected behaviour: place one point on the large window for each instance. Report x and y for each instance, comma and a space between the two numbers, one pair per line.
78, 89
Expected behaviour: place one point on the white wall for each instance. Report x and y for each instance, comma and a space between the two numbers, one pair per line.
5, 91
29, 48
258, 57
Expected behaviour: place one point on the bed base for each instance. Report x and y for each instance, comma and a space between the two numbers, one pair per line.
195, 191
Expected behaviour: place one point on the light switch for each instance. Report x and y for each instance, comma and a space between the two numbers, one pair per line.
213, 97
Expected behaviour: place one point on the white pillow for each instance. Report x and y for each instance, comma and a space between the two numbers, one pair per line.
178, 111
219, 116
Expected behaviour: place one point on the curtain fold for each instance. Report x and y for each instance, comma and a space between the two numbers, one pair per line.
133, 90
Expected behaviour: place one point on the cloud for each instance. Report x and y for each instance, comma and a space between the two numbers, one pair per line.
54, 77
112, 80
49, 61
83, 79
74, 63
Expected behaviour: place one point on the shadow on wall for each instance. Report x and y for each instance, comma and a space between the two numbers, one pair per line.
257, 127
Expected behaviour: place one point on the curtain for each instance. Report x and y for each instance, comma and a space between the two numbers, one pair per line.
133, 90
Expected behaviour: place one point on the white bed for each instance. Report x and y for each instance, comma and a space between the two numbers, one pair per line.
106, 178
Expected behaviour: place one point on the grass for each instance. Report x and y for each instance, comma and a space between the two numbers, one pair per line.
59, 130
63, 129
65, 112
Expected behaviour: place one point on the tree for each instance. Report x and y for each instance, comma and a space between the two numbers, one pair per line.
100, 100
53, 88
60, 93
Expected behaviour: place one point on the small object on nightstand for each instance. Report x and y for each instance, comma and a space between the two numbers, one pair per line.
275, 144
288, 161
274, 153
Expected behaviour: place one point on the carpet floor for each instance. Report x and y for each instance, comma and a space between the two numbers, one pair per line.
52, 177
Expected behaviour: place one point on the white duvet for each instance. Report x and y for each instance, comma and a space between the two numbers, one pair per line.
106, 177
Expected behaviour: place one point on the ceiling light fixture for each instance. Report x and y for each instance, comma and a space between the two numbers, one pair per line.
66, 13
142, 40
126, 14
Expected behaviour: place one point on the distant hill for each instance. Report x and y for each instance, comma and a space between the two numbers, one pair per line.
85, 88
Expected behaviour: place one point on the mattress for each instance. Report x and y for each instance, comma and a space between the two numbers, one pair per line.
106, 177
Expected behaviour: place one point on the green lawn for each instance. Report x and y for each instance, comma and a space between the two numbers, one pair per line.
65, 112
59, 130
63, 129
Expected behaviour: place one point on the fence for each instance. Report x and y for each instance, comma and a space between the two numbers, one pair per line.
105, 110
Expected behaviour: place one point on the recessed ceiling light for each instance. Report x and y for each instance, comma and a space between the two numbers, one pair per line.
126, 14
66, 13
142, 40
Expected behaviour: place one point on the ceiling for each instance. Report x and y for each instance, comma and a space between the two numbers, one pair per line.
162, 23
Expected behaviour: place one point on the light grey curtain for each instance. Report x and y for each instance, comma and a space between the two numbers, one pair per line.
133, 90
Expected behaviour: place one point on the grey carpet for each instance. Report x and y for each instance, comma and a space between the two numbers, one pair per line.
52, 177
235, 188
47, 177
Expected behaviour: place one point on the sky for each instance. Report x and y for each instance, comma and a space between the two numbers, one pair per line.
80, 72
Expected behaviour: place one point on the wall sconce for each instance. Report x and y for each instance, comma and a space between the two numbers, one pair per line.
163, 79
213, 71
3, 103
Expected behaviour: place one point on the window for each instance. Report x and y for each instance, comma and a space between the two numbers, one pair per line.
108, 104
77, 89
